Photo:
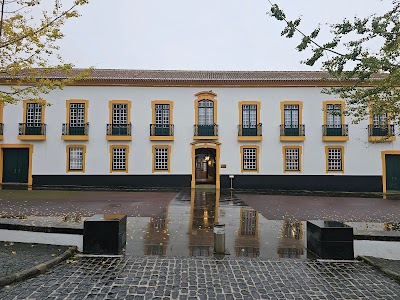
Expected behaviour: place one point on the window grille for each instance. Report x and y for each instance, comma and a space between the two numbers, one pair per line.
119, 159
161, 159
380, 120
334, 115
292, 159
33, 114
77, 114
206, 112
249, 159
334, 159
76, 159
291, 115
249, 116
162, 114
120, 114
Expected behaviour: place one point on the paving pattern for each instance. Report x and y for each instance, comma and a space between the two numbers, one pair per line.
205, 278
17, 257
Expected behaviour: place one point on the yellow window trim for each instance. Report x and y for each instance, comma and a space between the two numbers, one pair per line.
299, 103
112, 147
249, 102
154, 158
30, 147
292, 138
326, 158
1, 111
383, 157
341, 102
75, 137
25, 104
205, 96
153, 110
32, 137
110, 108
68, 102
257, 158
83, 159
300, 158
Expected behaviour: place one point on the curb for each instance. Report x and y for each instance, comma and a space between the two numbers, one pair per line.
389, 273
36, 270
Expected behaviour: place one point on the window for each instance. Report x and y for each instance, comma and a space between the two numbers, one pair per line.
119, 158
161, 158
206, 115
249, 158
77, 126
292, 158
119, 127
162, 127
334, 127
291, 128
334, 158
76, 158
33, 126
291, 116
334, 115
249, 128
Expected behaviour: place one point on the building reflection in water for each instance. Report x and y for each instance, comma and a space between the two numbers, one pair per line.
247, 243
290, 244
203, 215
157, 235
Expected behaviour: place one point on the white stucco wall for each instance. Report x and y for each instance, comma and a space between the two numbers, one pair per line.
49, 157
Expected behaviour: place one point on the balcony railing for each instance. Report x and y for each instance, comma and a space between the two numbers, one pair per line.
119, 129
161, 129
1, 128
206, 130
335, 130
381, 130
250, 130
293, 130
75, 129
31, 129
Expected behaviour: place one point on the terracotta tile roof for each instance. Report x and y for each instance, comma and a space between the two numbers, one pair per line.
195, 76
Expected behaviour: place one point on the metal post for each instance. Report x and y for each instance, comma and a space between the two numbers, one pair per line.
219, 238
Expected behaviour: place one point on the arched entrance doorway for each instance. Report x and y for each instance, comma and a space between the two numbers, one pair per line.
205, 164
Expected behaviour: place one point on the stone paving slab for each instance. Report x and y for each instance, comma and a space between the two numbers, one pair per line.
205, 278
17, 257
388, 266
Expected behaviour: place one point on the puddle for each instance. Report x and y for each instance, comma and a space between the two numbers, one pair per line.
185, 228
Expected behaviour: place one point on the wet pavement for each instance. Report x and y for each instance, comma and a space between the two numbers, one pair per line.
82, 203
16, 257
205, 278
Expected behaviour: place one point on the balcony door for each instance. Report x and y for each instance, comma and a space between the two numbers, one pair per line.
291, 115
77, 119
249, 119
119, 119
205, 120
380, 125
33, 119
162, 125
334, 120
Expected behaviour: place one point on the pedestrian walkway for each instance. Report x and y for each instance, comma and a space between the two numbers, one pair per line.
206, 278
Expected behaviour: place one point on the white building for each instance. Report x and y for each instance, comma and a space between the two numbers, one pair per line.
271, 130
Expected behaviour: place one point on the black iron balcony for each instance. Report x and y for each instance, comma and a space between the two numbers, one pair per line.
293, 130
206, 130
335, 130
161, 129
31, 129
119, 129
250, 130
381, 130
1, 128
75, 129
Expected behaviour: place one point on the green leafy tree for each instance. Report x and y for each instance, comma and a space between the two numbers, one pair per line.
29, 32
362, 55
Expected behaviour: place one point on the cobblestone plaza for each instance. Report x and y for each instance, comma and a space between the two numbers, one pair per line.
206, 278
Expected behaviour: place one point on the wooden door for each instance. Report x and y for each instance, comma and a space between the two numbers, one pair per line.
15, 165
392, 172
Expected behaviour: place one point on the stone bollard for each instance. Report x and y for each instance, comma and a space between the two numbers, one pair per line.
219, 238
104, 234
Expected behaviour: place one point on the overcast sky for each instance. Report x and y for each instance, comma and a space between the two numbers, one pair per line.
198, 34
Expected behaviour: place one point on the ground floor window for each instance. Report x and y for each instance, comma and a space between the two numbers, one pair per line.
161, 158
119, 158
292, 155
76, 158
249, 158
334, 157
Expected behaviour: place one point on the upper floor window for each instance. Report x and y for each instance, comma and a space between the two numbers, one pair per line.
334, 128
206, 112
291, 128
162, 127
119, 127
33, 121
206, 115
334, 115
77, 120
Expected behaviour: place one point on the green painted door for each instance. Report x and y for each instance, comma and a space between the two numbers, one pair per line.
393, 172
15, 165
